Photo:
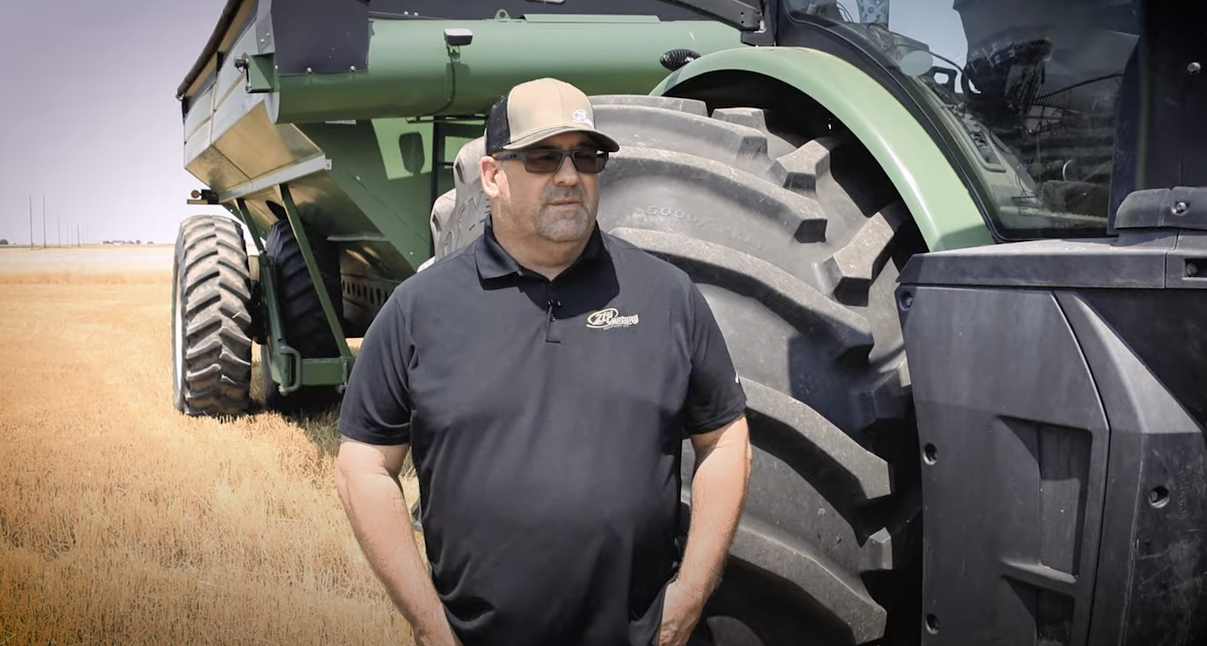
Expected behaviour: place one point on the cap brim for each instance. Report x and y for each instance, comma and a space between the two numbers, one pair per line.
605, 142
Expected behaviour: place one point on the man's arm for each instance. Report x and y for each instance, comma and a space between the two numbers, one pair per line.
367, 479
718, 494
721, 440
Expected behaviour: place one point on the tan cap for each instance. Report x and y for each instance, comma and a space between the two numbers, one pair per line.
539, 109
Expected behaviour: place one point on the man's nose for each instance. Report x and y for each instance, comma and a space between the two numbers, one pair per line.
566, 173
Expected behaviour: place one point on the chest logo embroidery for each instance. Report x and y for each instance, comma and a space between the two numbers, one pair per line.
609, 318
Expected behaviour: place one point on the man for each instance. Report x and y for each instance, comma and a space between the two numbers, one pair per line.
544, 376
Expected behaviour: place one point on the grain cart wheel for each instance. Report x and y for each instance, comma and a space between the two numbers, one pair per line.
306, 327
211, 318
796, 245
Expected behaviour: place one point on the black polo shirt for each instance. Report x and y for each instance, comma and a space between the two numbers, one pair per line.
545, 420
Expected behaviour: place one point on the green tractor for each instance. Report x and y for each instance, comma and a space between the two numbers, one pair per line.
958, 250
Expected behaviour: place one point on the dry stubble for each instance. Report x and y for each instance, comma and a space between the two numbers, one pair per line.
122, 521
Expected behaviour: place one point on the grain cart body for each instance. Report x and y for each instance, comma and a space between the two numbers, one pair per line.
328, 128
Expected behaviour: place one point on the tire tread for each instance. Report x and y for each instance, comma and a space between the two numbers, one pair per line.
214, 294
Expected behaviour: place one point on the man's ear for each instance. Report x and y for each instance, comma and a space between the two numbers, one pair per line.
491, 175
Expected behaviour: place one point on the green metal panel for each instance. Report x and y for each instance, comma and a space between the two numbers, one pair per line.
260, 75
945, 212
397, 208
406, 145
413, 73
324, 372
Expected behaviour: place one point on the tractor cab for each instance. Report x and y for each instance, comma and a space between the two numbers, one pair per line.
1033, 89
1052, 112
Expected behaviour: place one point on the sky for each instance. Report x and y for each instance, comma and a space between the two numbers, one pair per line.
89, 117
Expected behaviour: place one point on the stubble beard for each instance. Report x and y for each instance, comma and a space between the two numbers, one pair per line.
564, 222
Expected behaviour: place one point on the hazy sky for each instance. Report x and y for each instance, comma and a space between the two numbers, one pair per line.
89, 117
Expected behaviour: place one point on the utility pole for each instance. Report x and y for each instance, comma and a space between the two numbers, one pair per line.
31, 222
43, 221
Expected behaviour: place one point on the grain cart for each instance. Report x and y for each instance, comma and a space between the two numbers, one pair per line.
328, 128
957, 250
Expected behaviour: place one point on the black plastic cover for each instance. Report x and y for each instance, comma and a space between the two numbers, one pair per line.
317, 36
1172, 53
1061, 409
1160, 141
1144, 260
1184, 207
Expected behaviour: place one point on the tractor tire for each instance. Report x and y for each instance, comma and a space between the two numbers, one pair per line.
306, 328
211, 318
305, 325
796, 245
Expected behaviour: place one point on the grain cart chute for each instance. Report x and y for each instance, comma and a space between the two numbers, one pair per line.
328, 128
1010, 194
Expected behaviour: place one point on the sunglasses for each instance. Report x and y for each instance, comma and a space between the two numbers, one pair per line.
546, 160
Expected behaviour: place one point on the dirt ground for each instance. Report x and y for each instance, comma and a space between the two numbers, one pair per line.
124, 522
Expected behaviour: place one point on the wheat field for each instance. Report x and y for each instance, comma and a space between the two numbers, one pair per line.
124, 522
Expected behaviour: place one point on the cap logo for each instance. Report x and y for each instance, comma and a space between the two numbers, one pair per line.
580, 116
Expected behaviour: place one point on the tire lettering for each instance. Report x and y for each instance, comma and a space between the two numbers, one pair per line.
729, 231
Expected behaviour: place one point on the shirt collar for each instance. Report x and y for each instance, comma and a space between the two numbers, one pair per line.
494, 262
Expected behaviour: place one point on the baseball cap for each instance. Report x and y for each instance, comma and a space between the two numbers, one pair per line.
538, 109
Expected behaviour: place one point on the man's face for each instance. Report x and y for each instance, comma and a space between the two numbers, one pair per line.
560, 206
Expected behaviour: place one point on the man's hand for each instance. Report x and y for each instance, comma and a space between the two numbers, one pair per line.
681, 610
